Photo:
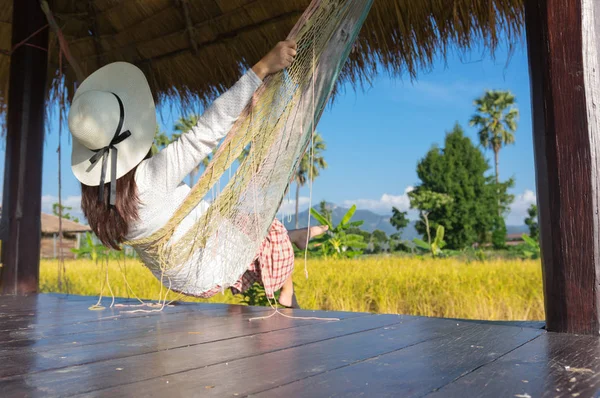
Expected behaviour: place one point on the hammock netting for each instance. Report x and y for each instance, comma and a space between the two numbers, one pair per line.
276, 127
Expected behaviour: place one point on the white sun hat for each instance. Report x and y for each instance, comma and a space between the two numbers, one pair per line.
112, 115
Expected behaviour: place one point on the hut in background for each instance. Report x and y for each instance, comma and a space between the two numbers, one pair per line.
50, 246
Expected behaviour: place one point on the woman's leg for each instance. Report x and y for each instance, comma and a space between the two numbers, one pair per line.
299, 237
287, 291
275, 261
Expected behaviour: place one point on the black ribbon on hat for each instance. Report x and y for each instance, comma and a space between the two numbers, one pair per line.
103, 153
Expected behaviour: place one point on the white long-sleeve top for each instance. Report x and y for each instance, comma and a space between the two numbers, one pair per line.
160, 179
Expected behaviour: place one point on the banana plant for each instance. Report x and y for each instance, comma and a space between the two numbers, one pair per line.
95, 251
532, 247
337, 242
436, 245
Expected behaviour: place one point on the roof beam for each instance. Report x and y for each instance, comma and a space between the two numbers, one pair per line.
185, 10
199, 25
95, 33
222, 37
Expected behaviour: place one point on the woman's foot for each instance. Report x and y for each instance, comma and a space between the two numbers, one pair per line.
299, 236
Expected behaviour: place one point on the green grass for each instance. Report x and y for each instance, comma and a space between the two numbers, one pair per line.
492, 290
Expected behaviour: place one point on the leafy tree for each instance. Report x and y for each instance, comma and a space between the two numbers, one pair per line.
56, 207
379, 236
499, 233
337, 242
307, 170
496, 119
161, 140
378, 242
398, 220
398, 244
532, 222
427, 201
459, 171
325, 211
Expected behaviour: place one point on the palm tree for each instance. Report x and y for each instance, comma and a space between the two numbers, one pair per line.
496, 119
306, 170
184, 125
161, 140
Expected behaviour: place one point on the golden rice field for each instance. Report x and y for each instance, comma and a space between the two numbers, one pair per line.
453, 288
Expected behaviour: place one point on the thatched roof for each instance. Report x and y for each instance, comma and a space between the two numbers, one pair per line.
50, 225
193, 49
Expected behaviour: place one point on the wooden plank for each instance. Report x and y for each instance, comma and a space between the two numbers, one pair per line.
520, 324
24, 151
118, 330
77, 318
565, 143
205, 329
258, 373
122, 330
549, 366
101, 375
67, 319
44, 306
413, 371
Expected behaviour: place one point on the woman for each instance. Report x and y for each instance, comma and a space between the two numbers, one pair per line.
112, 119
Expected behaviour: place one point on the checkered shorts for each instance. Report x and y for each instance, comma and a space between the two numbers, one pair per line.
272, 266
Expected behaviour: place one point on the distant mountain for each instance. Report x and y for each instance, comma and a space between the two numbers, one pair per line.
372, 221
517, 229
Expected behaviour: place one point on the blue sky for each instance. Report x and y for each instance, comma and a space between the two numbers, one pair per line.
376, 137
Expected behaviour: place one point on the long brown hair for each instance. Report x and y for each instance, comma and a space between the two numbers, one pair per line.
111, 223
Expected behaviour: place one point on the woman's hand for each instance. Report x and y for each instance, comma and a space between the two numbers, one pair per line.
280, 57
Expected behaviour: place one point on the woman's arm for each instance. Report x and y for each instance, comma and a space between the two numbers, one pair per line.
171, 165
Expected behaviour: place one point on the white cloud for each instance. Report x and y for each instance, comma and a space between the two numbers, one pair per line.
518, 209
384, 204
288, 206
450, 92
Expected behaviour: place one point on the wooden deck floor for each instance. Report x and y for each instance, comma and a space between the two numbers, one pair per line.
54, 346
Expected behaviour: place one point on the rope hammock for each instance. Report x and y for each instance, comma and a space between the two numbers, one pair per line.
277, 127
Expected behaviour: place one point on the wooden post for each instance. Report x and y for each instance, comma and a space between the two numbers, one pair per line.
562, 40
24, 150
